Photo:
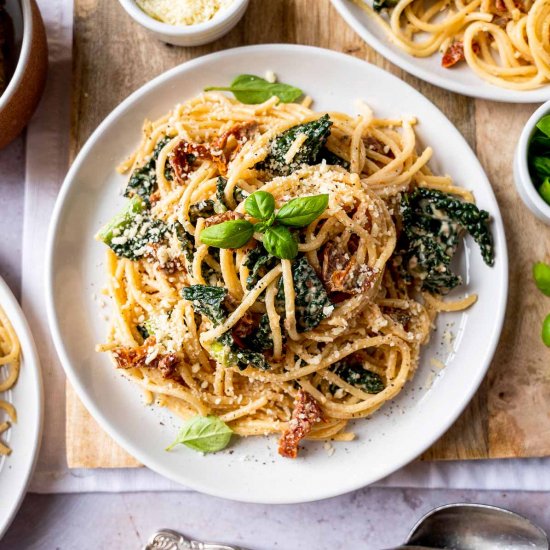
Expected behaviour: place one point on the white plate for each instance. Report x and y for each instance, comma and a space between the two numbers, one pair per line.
252, 470
23, 437
460, 79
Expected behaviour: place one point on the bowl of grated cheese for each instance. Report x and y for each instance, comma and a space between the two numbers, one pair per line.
186, 22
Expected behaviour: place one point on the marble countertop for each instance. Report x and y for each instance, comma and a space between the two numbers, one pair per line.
371, 518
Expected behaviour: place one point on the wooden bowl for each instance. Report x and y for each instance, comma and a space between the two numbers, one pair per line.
24, 90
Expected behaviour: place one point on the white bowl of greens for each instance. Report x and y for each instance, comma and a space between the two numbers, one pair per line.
532, 163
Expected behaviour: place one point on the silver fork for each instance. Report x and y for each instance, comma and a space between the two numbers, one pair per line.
166, 539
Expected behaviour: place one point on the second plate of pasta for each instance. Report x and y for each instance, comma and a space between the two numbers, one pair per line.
281, 270
496, 50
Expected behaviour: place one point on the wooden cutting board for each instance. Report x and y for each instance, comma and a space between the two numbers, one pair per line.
510, 414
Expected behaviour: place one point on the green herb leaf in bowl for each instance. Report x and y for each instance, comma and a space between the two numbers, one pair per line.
545, 334
544, 125
544, 190
206, 434
541, 274
252, 89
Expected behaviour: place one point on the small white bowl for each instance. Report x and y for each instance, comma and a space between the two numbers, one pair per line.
524, 184
189, 35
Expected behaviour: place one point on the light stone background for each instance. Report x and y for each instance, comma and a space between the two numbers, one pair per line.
369, 519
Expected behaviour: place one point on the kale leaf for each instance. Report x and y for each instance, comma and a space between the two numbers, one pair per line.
238, 194
317, 132
131, 230
201, 209
311, 301
186, 241
143, 332
332, 159
220, 194
259, 261
433, 223
143, 181
379, 5
356, 375
208, 301
242, 357
261, 338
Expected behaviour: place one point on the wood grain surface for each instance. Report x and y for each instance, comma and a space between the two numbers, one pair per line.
510, 414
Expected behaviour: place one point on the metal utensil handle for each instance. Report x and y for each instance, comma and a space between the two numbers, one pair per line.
166, 539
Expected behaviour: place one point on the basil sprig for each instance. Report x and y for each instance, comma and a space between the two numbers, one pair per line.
206, 434
252, 89
278, 239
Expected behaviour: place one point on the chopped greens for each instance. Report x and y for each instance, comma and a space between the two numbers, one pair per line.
131, 230
202, 209
220, 195
186, 241
143, 332
332, 159
241, 357
207, 300
238, 194
379, 5
261, 339
311, 301
259, 262
316, 132
433, 223
356, 375
143, 181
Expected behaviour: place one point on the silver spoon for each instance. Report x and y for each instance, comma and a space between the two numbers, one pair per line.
451, 527
476, 527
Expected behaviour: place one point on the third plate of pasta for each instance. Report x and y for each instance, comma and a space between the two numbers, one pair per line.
277, 274
492, 49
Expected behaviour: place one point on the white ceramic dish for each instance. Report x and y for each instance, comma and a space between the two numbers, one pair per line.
24, 437
524, 183
192, 35
251, 470
459, 79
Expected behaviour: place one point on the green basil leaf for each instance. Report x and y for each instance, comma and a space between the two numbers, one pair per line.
541, 274
280, 242
541, 166
230, 234
260, 205
544, 190
252, 89
206, 434
544, 125
546, 331
302, 211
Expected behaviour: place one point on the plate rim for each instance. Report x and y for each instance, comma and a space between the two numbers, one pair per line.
31, 361
56, 332
502, 95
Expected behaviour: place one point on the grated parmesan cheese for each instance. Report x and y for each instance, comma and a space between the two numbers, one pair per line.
183, 12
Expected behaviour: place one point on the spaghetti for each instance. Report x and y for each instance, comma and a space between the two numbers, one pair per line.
292, 346
9, 366
505, 42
